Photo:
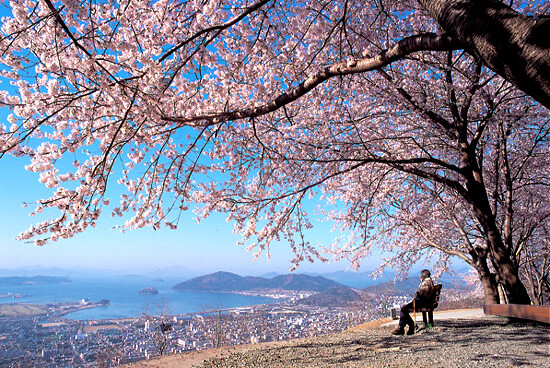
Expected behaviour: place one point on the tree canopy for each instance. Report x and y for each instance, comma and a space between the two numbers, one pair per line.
419, 125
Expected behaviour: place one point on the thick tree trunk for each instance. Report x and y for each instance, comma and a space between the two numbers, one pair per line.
507, 271
500, 256
512, 45
529, 275
488, 281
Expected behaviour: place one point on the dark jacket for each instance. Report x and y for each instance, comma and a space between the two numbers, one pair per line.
425, 293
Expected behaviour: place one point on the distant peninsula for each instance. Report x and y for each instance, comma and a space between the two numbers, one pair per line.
33, 280
149, 291
9, 310
13, 296
230, 282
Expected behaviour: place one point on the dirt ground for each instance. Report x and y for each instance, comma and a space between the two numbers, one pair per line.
460, 339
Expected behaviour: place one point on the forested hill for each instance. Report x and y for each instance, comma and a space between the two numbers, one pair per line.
24, 280
226, 281
401, 287
334, 297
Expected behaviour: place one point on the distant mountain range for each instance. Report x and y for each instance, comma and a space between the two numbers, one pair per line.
26, 280
357, 280
345, 296
226, 281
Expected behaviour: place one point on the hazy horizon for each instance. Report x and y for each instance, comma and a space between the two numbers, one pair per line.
168, 272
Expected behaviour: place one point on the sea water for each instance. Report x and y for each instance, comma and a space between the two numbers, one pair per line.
123, 293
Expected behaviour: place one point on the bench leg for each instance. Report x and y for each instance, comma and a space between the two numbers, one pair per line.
424, 319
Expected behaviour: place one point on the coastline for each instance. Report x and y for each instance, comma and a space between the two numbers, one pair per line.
126, 302
276, 294
16, 310
13, 296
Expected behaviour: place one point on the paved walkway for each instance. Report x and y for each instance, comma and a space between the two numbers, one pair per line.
445, 315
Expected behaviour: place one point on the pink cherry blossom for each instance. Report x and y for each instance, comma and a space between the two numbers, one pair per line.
410, 140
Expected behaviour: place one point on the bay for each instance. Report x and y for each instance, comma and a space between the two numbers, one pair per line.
123, 293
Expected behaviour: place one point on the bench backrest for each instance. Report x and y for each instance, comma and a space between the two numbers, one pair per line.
437, 291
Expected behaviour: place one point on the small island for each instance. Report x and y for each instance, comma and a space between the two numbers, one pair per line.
149, 291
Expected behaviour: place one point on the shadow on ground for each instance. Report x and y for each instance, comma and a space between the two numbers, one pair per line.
461, 343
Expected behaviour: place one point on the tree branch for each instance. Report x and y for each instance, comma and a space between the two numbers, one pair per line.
218, 27
66, 29
406, 46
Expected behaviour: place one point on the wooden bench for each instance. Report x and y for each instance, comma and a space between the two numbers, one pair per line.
539, 313
428, 312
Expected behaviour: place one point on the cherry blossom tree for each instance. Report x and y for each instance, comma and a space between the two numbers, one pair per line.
432, 222
255, 108
536, 271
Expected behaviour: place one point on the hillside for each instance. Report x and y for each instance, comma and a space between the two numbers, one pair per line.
226, 281
357, 280
301, 282
400, 287
333, 297
480, 341
220, 281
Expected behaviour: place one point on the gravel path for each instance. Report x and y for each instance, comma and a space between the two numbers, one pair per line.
461, 343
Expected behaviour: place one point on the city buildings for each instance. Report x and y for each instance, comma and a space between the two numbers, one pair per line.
56, 341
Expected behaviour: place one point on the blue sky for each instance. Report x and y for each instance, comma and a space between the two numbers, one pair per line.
193, 248
207, 247
204, 247
199, 248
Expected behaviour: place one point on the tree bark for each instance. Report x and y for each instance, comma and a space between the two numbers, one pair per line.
488, 280
514, 46
507, 271
490, 288
499, 254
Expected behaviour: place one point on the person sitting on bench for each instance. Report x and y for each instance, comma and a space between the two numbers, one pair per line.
423, 298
